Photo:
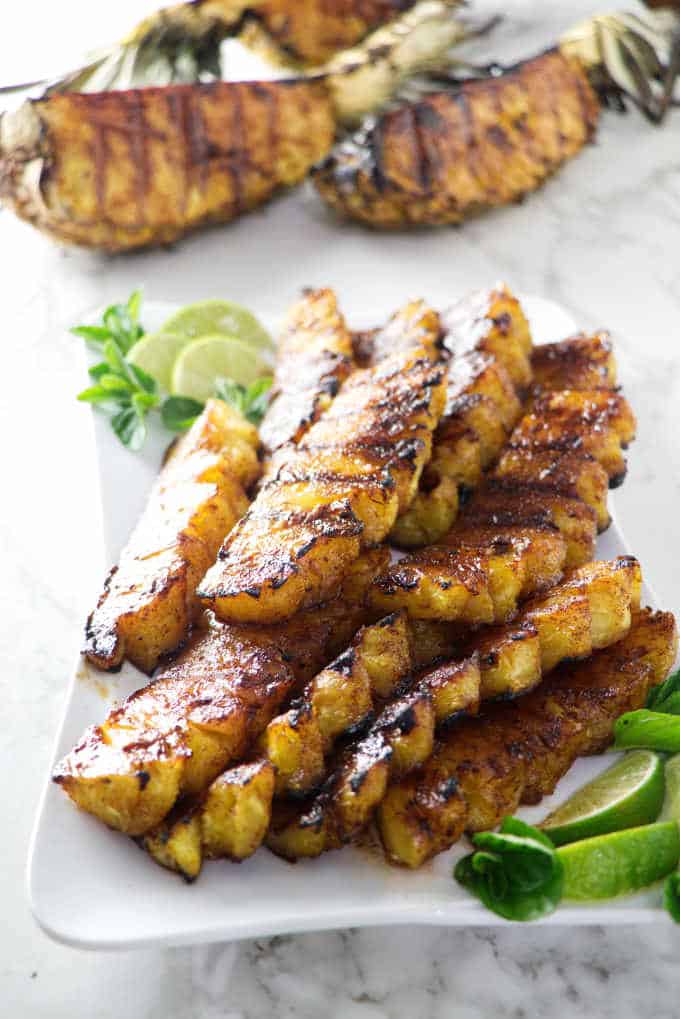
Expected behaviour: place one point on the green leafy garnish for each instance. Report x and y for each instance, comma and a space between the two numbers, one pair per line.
122, 390
120, 322
126, 393
251, 401
666, 696
515, 872
653, 730
671, 895
178, 413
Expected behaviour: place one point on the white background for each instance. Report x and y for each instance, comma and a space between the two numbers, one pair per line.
602, 238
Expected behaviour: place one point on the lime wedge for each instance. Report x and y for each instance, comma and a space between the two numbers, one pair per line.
224, 318
628, 794
156, 354
671, 803
205, 360
621, 862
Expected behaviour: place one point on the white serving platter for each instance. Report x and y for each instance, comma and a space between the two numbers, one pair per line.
92, 888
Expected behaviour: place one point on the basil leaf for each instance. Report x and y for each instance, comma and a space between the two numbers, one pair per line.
114, 357
671, 895
142, 378
114, 384
257, 399
144, 402
178, 413
232, 393
653, 730
666, 696
99, 396
130, 428
134, 304
515, 826
93, 335
98, 370
122, 326
515, 872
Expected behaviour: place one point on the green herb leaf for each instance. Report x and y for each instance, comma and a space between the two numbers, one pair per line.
134, 304
257, 399
232, 393
114, 357
666, 696
144, 402
114, 384
652, 730
142, 378
130, 427
100, 397
178, 413
515, 872
122, 325
94, 335
120, 322
251, 402
98, 370
671, 895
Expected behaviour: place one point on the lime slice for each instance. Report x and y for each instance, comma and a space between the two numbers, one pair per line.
156, 354
205, 360
224, 318
671, 803
628, 794
621, 862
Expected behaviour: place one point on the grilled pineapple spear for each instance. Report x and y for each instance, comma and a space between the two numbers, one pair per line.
233, 816
128, 166
149, 601
314, 357
485, 566
483, 400
488, 338
590, 610
177, 734
231, 821
338, 492
465, 147
517, 752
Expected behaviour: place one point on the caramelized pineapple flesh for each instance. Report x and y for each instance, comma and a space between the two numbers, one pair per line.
400, 741
174, 736
350, 475
313, 359
149, 602
518, 751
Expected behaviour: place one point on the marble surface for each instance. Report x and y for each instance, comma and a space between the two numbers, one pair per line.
602, 238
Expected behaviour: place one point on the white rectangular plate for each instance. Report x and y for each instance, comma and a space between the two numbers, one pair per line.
91, 887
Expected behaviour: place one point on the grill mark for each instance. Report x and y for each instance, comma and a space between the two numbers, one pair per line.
193, 130
469, 139
496, 134
589, 121
139, 151
100, 154
419, 149
553, 92
524, 129
237, 151
376, 149
175, 104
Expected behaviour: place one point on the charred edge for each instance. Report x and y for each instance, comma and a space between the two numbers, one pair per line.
143, 777
344, 663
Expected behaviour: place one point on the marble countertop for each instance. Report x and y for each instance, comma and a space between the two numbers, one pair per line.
602, 238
